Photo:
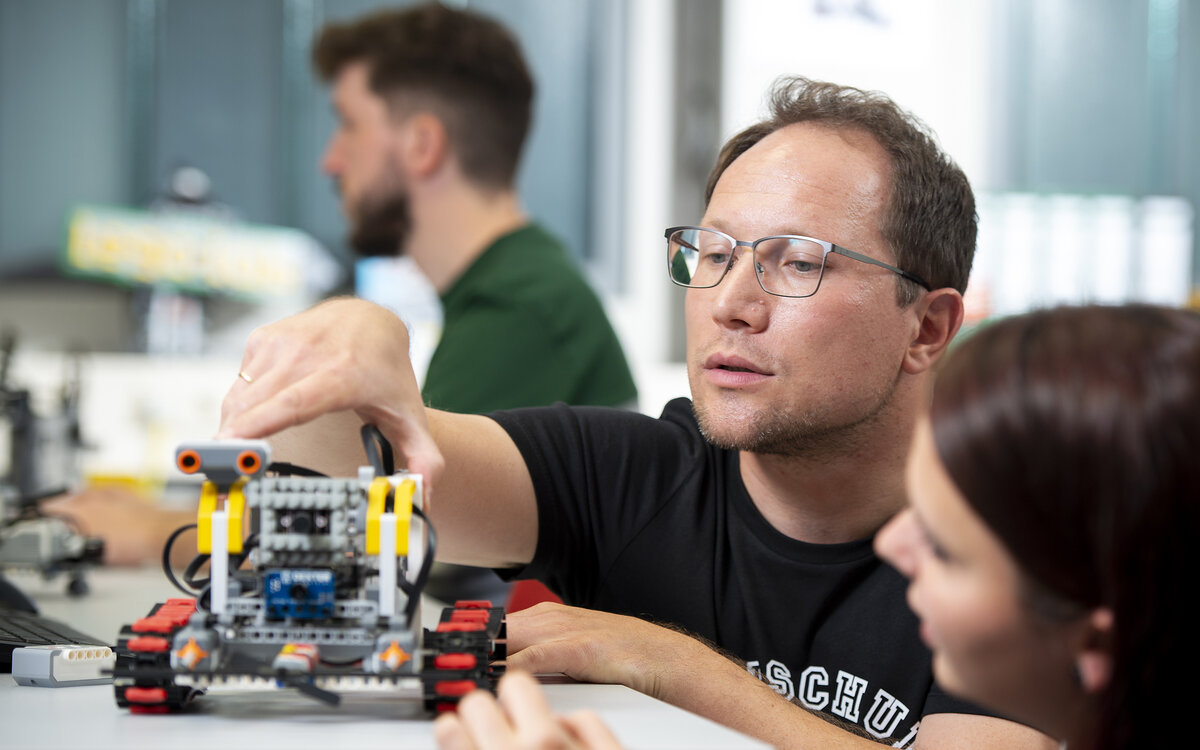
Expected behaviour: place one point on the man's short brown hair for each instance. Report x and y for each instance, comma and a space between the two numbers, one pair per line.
930, 222
465, 67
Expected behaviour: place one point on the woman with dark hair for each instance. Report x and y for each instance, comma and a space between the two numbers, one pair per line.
1055, 510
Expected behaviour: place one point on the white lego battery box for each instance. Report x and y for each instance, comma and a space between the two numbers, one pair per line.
60, 666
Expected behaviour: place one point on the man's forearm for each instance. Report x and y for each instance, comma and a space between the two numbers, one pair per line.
728, 694
720, 689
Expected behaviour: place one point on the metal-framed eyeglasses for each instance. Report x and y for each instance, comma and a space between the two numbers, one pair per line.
786, 265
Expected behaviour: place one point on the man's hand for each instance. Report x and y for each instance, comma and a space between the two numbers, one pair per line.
601, 647
520, 719
344, 354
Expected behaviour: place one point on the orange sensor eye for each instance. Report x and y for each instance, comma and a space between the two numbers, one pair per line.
248, 462
188, 461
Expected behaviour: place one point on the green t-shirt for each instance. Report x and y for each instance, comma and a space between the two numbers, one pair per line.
521, 327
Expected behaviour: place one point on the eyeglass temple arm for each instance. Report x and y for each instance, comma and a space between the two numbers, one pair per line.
670, 234
868, 259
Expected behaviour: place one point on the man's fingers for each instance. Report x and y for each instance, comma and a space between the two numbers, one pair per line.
575, 655
294, 404
410, 438
267, 382
591, 646
550, 637
341, 340
541, 658
546, 622
342, 355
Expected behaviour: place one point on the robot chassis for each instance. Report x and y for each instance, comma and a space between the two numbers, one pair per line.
328, 604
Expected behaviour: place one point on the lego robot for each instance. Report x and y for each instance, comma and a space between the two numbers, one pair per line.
323, 595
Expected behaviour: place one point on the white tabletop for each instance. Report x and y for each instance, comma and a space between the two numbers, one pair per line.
77, 717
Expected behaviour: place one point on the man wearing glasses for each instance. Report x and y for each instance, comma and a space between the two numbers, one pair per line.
825, 281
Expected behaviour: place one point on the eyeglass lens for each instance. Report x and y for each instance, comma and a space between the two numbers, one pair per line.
785, 265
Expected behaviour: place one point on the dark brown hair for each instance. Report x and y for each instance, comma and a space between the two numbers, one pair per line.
465, 67
1075, 434
930, 221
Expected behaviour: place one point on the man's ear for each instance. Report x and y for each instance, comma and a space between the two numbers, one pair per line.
426, 144
1094, 661
939, 315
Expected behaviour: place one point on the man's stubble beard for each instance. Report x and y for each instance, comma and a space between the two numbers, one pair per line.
812, 434
382, 222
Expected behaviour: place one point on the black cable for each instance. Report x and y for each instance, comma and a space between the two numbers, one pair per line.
301, 683
189, 573
287, 469
426, 564
166, 558
235, 562
192, 585
378, 450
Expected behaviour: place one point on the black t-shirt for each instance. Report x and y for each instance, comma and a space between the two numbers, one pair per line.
642, 516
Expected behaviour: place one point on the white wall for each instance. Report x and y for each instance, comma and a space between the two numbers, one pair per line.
640, 314
930, 56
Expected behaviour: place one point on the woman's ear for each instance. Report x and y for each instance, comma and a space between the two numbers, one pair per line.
1094, 661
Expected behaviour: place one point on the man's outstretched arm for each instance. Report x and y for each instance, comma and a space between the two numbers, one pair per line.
316, 377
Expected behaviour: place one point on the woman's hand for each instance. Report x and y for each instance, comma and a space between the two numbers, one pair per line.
519, 718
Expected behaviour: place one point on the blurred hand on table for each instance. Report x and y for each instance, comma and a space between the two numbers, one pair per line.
133, 527
519, 718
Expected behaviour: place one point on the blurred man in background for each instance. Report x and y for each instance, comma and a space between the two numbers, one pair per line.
433, 108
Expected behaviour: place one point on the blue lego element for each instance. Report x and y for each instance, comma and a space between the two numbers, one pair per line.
299, 594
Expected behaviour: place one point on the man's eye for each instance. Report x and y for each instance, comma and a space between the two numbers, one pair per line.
803, 266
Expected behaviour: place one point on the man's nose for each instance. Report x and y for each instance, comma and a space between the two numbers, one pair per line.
740, 275
331, 160
740, 298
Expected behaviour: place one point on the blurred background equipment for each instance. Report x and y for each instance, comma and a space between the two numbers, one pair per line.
39, 453
39, 458
179, 258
